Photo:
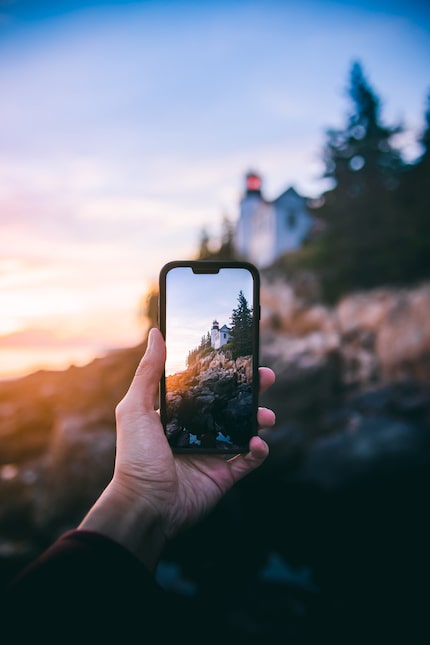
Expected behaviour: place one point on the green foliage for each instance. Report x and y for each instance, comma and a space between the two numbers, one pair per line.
241, 328
414, 212
204, 252
370, 238
203, 349
224, 250
361, 157
376, 216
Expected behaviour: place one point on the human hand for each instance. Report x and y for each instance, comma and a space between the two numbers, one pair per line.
154, 493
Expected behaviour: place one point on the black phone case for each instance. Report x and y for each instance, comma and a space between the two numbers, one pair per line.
213, 267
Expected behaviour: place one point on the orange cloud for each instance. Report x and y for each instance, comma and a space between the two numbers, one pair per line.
32, 338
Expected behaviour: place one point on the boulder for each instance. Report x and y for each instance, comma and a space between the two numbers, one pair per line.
403, 340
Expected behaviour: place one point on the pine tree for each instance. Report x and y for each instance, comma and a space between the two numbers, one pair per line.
210, 249
208, 343
204, 252
226, 250
414, 210
362, 154
241, 328
360, 210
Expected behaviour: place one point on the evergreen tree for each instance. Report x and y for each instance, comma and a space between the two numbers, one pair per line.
226, 250
210, 249
204, 252
192, 356
208, 343
201, 350
361, 156
360, 210
425, 138
414, 210
241, 328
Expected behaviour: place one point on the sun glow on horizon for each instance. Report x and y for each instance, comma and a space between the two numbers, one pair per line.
109, 169
46, 326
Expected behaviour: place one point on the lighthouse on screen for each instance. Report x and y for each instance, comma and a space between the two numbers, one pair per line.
219, 336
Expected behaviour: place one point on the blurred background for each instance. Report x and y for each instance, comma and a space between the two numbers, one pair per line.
292, 134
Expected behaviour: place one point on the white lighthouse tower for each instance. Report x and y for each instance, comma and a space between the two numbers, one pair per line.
215, 334
267, 229
219, 337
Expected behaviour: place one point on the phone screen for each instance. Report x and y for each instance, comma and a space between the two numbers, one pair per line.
209, 315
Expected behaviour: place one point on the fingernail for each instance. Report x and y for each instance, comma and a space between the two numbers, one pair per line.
150, 339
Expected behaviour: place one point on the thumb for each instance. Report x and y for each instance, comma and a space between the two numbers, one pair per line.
144, 386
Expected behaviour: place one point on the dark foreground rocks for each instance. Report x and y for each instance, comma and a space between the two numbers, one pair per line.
210, 404
329, 541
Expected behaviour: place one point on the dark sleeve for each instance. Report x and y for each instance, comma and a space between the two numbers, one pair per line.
85, 586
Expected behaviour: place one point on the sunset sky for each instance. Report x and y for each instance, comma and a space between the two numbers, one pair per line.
127, 127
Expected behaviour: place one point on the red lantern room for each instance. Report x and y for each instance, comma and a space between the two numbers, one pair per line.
253, 184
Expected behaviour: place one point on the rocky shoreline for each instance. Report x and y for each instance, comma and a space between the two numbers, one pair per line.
210, 403
342, 493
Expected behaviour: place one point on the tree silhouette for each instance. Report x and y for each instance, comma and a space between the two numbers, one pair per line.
197, 352
204, 252
361, 211
241, 328
222, 249
361, 156
414, 212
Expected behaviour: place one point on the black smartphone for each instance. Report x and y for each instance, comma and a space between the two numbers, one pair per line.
209, 315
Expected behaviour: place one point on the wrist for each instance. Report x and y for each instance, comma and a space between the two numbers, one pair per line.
129, 521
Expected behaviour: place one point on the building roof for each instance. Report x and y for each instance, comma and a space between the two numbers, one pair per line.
290, 192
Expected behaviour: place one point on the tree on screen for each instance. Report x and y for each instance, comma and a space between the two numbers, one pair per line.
241, 328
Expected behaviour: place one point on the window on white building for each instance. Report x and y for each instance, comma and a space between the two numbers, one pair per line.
292, 220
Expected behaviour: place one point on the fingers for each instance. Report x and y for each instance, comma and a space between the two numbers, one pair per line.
244, 464
266, 417
258, 449
267, 378
144, 386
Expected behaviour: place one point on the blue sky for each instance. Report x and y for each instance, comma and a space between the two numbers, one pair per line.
127, 127
194, 301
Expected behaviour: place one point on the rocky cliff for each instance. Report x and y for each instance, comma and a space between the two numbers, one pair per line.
210, 404
57, 441
343, 495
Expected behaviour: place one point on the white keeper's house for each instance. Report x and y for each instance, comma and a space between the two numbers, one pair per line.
267, 229
219, 335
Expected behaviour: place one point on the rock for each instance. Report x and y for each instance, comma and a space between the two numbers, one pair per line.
342, 493
368, 448
381, 335
80, 464
307, 375
283, 309
216, 409
360, 365
403, 341
398, 321
365, 310
277, 303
